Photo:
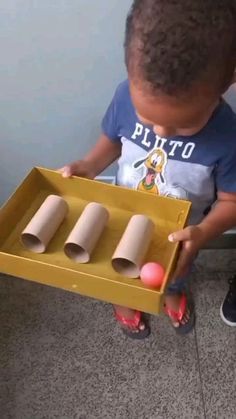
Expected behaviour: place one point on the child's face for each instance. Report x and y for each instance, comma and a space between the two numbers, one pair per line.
172, 116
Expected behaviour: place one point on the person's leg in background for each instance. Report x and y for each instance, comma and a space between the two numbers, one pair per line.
228, 307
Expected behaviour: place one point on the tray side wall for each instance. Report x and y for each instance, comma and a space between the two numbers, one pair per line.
143, 299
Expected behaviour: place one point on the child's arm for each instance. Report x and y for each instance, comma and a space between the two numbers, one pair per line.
221, 218
98, 159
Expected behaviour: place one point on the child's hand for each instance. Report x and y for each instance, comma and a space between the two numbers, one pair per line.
78, 168
192, 239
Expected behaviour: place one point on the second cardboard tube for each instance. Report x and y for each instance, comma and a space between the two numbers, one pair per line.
86, 233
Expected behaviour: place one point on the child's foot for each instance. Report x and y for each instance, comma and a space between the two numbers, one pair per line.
132, 322
180, 312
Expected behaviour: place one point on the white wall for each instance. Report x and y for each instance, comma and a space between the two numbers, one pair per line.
60, 63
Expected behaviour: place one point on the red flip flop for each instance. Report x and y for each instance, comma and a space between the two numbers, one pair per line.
177, 316
130, 327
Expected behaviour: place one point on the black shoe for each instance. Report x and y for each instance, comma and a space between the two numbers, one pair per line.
228, 307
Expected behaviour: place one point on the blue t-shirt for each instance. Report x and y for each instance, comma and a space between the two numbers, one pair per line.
191, 168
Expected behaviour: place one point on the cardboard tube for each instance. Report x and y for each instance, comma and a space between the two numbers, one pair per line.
130, 253
86, 233
44, 224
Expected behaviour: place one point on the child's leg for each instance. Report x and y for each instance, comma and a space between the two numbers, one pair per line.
180, 312
177, 307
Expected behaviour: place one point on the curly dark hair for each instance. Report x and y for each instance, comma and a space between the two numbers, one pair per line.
173, 44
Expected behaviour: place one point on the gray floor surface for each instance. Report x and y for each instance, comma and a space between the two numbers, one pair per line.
63, 356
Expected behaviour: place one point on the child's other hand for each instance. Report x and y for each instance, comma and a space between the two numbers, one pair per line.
78, 168
192, 239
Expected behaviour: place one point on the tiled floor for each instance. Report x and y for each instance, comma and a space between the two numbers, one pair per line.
62, 356
216, 348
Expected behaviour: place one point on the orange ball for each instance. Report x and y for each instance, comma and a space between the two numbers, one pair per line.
152, 274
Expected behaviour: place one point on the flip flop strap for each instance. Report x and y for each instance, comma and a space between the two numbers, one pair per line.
178, 315
132, 323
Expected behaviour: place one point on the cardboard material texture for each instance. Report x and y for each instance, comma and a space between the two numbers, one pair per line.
131, 251
86, 233
44, 224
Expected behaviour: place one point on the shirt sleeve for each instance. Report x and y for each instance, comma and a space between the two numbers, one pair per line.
226, 173
110, 120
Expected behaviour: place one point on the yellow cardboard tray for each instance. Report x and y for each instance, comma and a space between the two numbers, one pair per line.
96, 279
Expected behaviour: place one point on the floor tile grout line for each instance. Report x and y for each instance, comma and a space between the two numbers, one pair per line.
200, 374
